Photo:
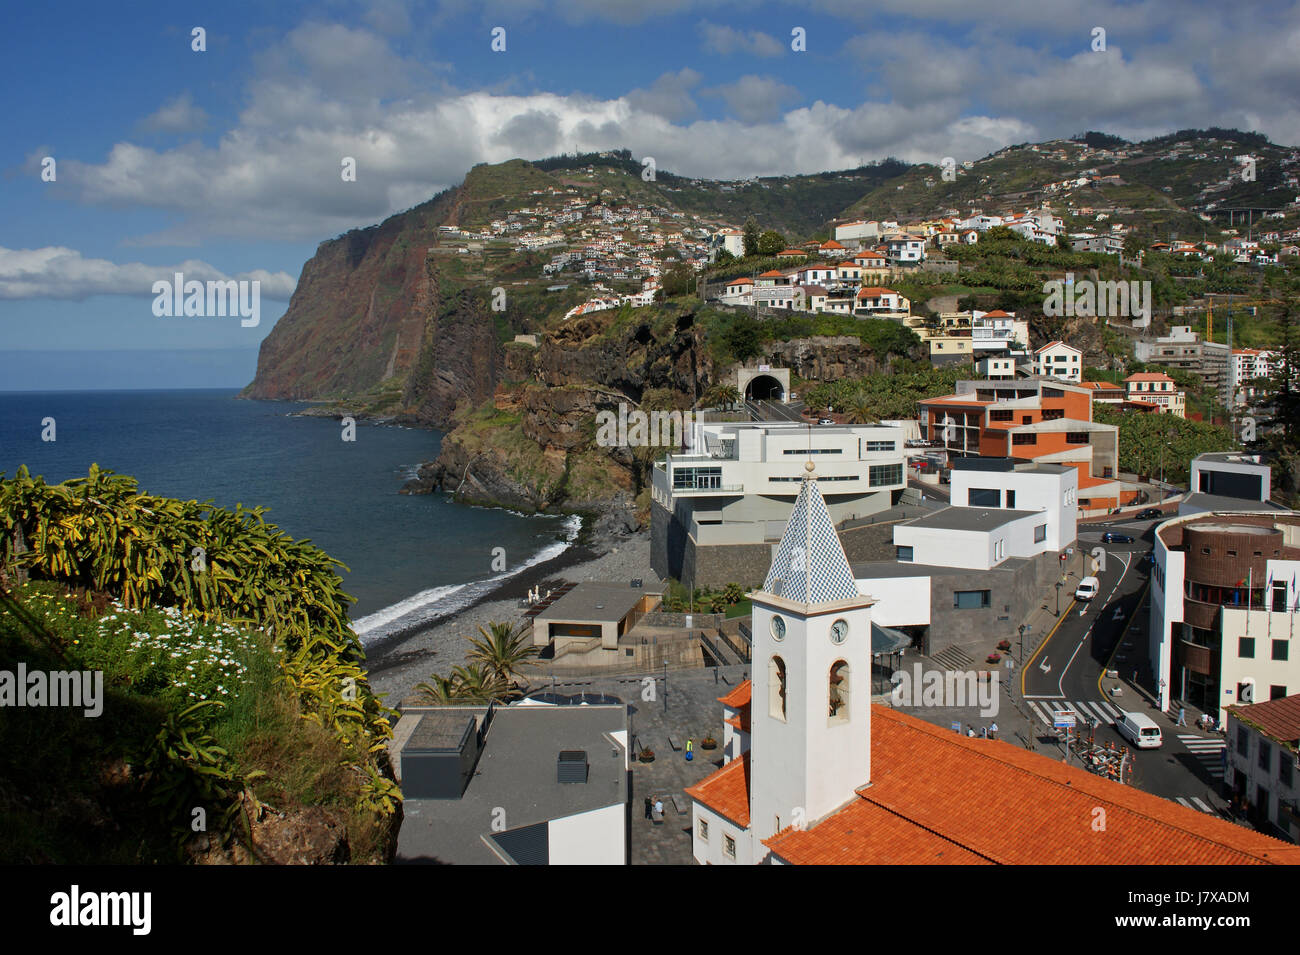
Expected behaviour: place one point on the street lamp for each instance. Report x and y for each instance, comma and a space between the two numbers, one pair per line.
1022, 644
1058, 598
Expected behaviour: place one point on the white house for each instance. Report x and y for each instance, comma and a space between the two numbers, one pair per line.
1059, 360
1155, 389
905, 249
874, 300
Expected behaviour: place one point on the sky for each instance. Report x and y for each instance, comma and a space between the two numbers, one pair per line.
224, 163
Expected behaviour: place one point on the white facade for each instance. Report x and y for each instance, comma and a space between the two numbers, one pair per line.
1059, 360
733, 241
588, 838
996, 368
1212, 473
905, 249
1051, 490
899, 601
1259, 763
951, 545
856, 232
1156, 389
1239, 665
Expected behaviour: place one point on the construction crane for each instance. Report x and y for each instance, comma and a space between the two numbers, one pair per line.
1230, 305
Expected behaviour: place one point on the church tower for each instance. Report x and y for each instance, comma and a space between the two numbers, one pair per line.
810, 713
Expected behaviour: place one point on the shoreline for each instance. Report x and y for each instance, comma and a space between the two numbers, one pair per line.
397, 663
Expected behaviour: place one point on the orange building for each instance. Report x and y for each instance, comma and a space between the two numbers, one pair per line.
1043, 420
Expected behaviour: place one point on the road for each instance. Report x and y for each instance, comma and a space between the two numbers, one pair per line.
1064, 674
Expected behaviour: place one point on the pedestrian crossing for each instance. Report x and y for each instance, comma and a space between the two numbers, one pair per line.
1207, 750
1195, 802
1092, 711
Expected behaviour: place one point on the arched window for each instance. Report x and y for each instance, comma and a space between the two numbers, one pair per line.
776, 687
838, 690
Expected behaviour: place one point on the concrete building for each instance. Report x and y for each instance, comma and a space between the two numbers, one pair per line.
1155, 390
1231, 475
1263, 763
1183, 348
1044, 420
829, 778
716, 513
962, 574
1059, 360
513, 785
592, 613
1224, 599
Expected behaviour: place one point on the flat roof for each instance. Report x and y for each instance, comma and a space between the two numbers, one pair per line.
896, 569
595, 600
1200, 501
1229, 457
970, 518
516, 780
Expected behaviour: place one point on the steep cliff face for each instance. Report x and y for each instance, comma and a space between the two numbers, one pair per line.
535, 445
358, 315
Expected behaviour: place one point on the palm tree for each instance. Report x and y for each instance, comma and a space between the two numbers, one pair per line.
439, 691
503, 650
861, 409
475, 683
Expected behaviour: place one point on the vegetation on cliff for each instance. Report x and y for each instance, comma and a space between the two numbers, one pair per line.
236, 704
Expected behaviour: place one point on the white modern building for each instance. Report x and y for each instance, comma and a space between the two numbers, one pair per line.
1246, 367
1228, 479
1225, 596
717, 512
962, 573
905, 249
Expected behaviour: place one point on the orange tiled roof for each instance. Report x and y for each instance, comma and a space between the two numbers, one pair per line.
1280, 718
874, 291
1148, 376
936, 791
726, 792
739, 696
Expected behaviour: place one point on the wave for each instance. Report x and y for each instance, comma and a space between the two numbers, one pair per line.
432, 605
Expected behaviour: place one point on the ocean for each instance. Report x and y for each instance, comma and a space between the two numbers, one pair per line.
413, 559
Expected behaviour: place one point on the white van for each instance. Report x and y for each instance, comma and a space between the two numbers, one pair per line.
1140, 730
1087, 588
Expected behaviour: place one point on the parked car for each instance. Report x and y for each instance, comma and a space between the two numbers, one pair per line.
1110, 537
826, 421
1087, 588
1150, 513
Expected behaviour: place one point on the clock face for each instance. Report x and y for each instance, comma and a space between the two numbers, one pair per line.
778, 628
839, 631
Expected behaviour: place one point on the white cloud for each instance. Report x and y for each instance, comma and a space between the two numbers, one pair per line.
757, 99
56, 272
669, 96
723, 40
177, 115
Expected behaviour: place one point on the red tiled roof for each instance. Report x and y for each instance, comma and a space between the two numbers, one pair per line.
938, 792
739, 696
1148, 376
771, 273
831, 244
1279, 719
874, 291
726, 791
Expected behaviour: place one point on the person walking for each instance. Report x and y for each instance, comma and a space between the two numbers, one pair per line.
984, 732
993, 731
690, 749
1182, 716
649, 807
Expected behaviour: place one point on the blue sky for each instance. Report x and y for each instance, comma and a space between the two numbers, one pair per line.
225, 163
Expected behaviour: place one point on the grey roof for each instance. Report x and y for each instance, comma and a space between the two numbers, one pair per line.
595, 600
970, 518
1229, 457
441, 731
890, 569
810, 566
887, 639
1199, 501
515, 782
